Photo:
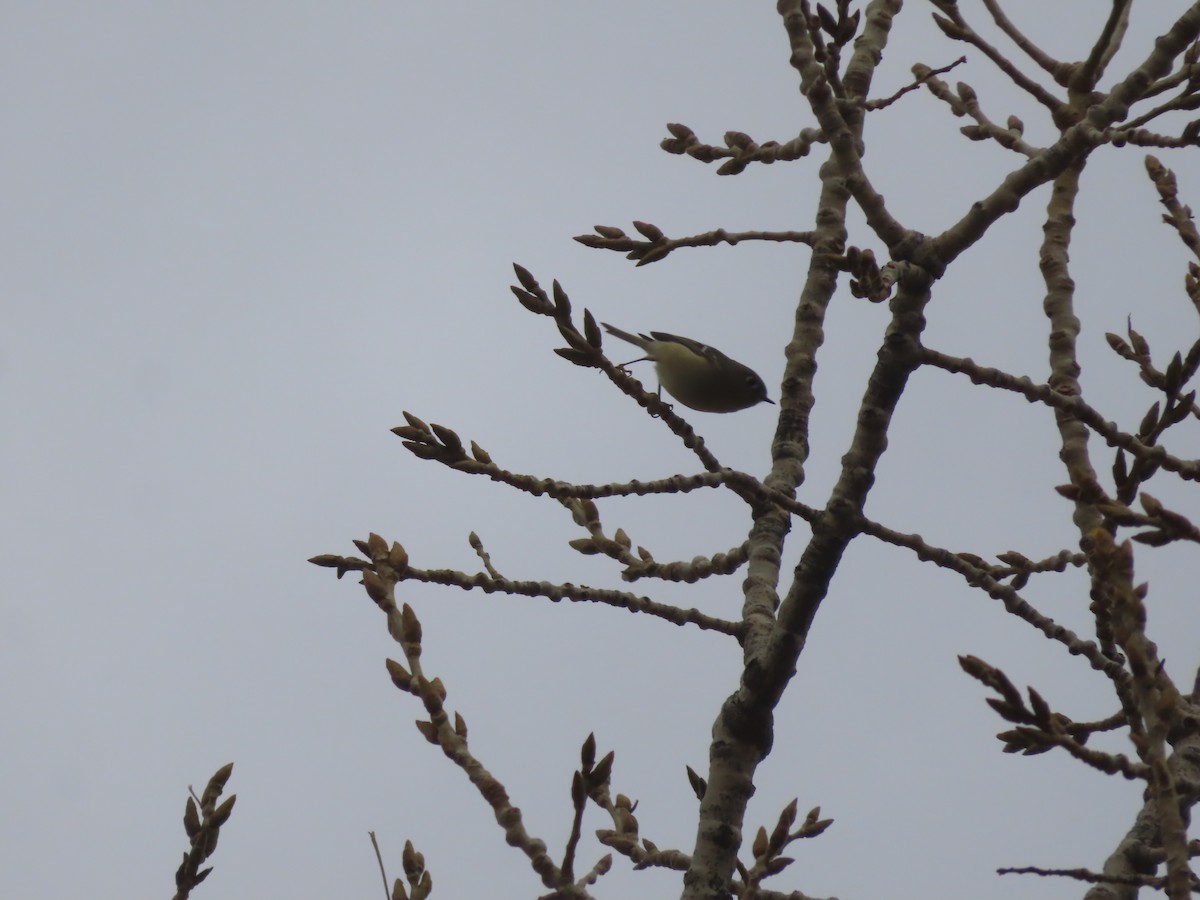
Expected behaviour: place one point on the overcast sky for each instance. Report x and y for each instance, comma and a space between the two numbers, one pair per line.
240, 239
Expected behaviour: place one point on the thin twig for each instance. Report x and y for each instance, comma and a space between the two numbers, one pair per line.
387, 894
1043, 393
925, 75
1106, 46
966, 33
1049, 64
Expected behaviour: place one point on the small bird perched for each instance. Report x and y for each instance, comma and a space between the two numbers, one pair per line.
697, 375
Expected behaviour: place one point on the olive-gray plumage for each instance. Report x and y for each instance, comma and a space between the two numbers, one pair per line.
697, 375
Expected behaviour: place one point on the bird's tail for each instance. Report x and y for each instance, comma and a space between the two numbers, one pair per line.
638, 340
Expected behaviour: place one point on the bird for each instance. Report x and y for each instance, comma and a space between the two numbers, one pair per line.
697, 375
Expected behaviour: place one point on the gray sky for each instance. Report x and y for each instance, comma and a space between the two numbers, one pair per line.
241, 238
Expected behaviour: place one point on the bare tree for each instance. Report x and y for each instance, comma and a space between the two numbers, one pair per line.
835, 53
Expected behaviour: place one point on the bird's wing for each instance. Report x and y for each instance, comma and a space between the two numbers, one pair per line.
695, 346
